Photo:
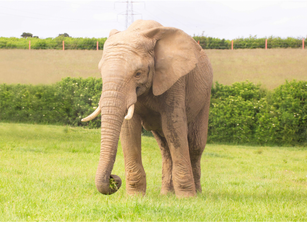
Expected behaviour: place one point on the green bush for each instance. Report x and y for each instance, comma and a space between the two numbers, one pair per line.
247, 90
233, 111
52, 43
206, 43
241, 113
39, 44
283, 119
251, 42
213, 43
11, 44
232, 120
62, 103
246, 113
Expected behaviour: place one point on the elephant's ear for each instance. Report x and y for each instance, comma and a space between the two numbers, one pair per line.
176, 54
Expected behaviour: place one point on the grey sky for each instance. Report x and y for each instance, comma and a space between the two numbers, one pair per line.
216, 18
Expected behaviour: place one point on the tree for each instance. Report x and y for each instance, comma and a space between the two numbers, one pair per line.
63, 35
26, 35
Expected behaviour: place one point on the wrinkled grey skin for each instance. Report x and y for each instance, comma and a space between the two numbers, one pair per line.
168, 77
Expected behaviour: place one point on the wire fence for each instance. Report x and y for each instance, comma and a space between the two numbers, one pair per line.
66, 43
250, 43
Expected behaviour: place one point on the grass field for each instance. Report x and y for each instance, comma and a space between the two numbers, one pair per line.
47, 174
269, 67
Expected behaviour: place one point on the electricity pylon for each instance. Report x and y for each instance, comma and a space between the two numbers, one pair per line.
129, 11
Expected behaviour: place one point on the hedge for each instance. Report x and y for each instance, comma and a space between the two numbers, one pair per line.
62, 103
51, 43
243, 113
246, 113
206, 43
251, 42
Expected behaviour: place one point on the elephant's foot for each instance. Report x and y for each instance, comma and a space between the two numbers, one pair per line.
139, 190
185, 193
167, 182
167, 188
136, 183
198, 187
184, 187
140, 193
195, 161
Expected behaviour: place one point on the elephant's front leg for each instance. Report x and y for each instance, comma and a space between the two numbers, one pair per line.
131, 143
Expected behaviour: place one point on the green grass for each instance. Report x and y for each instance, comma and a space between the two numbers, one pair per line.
47, 174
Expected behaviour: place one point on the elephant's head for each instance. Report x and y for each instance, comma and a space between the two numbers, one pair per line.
147, 57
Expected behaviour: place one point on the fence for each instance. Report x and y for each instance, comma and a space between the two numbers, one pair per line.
97, 43
250, 43
52, 43
237, 46
63, 45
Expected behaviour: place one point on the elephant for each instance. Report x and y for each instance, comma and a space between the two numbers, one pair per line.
160, 79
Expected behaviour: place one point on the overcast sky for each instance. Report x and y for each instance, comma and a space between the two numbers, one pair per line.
215, 18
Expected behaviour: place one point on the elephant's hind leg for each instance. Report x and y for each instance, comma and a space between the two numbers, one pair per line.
167, 181
195, 155
197, 141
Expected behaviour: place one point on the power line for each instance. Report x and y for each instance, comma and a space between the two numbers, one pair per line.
129, 11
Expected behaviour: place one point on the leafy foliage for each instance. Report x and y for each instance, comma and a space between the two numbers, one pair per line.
283, 117
233, 112
251, 42
64, 35
90, 43
240, 113
52, 43
113, 184
62, 103
246, 113
26, 35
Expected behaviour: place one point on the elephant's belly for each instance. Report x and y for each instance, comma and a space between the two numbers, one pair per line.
152, 123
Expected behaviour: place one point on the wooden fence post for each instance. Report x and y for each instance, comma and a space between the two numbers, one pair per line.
63, 45
266, 43
97, 46
303, 43
231, 44
29, 45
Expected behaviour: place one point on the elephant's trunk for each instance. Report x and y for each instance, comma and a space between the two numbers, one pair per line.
113, 109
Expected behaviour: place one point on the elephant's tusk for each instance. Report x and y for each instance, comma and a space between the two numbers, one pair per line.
93, 115
130, 112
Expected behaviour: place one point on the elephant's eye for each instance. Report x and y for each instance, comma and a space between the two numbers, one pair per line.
138, 74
